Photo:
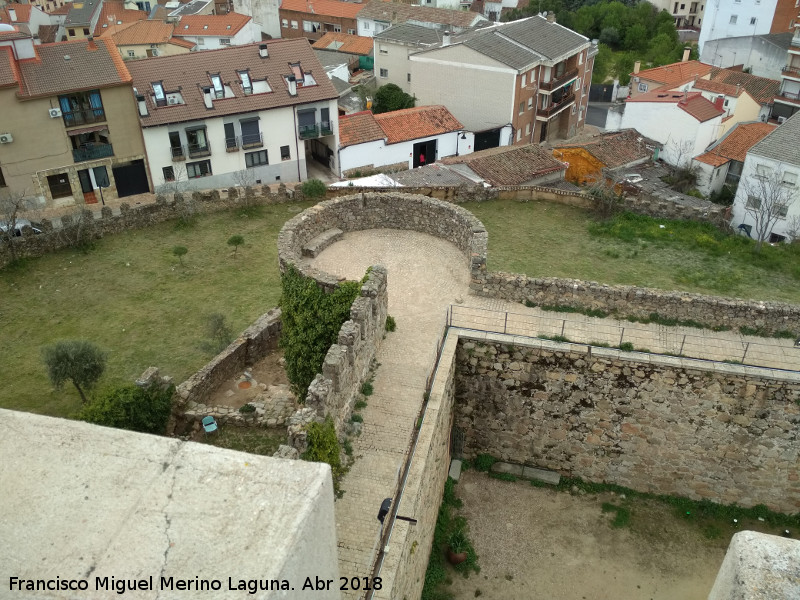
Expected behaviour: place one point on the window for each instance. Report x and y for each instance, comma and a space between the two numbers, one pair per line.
311, 26
734, 18
522, 81
82, 107
527, 128
169, 174
131, 54
351, 31
175, 144
198, 169
2, 179
197, 141
521, 107
366, 24
753, 202
683, 6
763, 171
642, 87
85, 31
230, 137
216, 80
574, 109
530, 103
71, 33
384, 73
580, 58
285, 155
382, 49
225, 41
580, 115
782, 210
285, 23
201, 41
789, 179
254, 159
251, 136
337, 28
519, 134
294, 24
247, 84
408, 77
752, 20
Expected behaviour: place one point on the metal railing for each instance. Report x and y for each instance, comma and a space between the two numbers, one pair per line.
232, 144
178, 152
781, 354
556, 83
83, 117
196, 151
92, 151
252, 140
315, 130
555, 107
791, 69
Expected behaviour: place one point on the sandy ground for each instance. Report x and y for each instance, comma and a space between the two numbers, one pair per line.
540, 544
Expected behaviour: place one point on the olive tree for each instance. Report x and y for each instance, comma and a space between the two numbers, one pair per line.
78, 361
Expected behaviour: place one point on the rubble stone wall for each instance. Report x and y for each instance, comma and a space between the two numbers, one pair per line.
658, 424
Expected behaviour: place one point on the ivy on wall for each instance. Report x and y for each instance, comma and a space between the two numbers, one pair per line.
311, 322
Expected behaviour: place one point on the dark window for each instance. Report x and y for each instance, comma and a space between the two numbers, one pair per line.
175, 144
71, 33
230, 137
82, 107
251, 136
59, 185
85, 31
198, 169
2, 178
169, 174
253, 159
197, 141
285, 155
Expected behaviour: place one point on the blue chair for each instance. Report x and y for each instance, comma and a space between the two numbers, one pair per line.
209, 424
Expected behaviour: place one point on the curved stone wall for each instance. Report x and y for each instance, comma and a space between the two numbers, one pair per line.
382, 211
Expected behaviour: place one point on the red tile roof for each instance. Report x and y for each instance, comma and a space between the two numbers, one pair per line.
9, 74
190, 72
415, 123
323, 8
344, 42
692, 103
359, 128
510, 165
182, 43
676, 73
113, 13
617, 148
736, 143
215, 25
85, 69
397, 12
762, 90
718, 87
61, 10
142, 32
23, 13
47, 33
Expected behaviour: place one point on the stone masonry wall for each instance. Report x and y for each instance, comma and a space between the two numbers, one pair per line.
252, 345
658, 424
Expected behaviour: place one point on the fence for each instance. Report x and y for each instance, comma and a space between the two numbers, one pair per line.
657, 339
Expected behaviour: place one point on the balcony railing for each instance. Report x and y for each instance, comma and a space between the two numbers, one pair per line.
791, 70
232, 144
92, 152
252, 140
196, 151
556, 106
556, 83
315, 130
82, 117
178, 153
788, 96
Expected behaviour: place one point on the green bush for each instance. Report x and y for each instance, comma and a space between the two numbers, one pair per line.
391, 97
235, 241
484, 462
130, 407
180, 252
367, 388
247, 408
314, 188
323, 446
391, 324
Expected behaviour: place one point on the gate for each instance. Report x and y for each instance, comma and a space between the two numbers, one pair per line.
131, 179
601, 92
487, 139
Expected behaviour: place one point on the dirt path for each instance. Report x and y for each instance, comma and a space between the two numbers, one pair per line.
540, 544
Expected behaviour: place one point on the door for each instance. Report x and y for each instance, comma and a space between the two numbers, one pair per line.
131, 178
424, 153
543, 132
487, 139
87, 187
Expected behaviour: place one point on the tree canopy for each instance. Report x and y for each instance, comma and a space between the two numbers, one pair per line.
390, 97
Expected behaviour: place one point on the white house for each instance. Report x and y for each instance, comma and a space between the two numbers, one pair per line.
246, 114
736, 18
402, 139
684, 122
377, 16
770, 183
210, 32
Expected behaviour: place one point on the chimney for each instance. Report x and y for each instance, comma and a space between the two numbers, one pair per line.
551, 17
636, 66
90, 45
263, 51
12, 13
292, 85
686, 52
719, 102
446, 39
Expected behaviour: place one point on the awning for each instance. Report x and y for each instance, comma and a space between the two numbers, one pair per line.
87, 129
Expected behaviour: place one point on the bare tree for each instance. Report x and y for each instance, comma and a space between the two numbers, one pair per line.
684, 174
12, 206
768, 198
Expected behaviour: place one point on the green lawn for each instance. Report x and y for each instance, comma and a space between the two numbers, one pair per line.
552, 240
131, 296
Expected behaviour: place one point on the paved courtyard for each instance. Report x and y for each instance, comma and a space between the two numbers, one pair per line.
426, 276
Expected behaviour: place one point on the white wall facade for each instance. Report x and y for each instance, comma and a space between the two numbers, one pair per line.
265, 15
685, 137
378, 153
248, 34
710, 179
761, 57
750, 170
734, 18
392, 64
277, 127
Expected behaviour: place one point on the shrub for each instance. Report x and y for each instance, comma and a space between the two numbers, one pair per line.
391, 324
180, 252
313, 188
367, 389
247, 408
323, 446
130, 407
78, 361
484, 462
235, 241
218, 332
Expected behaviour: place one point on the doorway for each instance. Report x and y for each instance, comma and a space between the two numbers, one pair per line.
424, 153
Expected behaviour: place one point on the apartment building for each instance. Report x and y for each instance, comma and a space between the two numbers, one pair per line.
377, 16
736, 18
313, 19
686, 14
787, 102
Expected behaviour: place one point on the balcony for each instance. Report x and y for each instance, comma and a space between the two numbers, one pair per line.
232, 144
556, 106
252, 140
315, 130
83, 117
92, 152
791, 71
556, 83
196, 151
178, 153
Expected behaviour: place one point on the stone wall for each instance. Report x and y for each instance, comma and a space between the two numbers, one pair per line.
253, 344
625, 300
405, 564
658, 424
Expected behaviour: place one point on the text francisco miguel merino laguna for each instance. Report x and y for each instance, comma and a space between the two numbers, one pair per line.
120, 586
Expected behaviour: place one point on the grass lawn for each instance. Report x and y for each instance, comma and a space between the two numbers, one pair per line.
541, 239
131, 296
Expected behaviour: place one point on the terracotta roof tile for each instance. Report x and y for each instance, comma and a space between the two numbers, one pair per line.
22, 11
359, 128
617, 148
9, 74
344, 42
86, 69
762, 90
191, 71
415, 123
737, 142
718, 87
323, 8
61, 10
142, 32
510, 165
395, 12
47, 33
701, 109
113, 13
216, 25
676, 73
182, 43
